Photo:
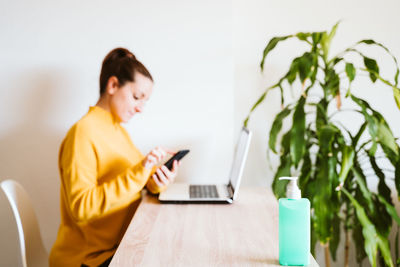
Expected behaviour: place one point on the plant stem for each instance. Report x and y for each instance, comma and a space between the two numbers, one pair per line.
327, 256
346, 249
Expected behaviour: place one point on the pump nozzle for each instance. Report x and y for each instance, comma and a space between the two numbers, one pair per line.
292, 190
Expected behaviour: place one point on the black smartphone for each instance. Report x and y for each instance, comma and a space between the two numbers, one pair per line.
178, 156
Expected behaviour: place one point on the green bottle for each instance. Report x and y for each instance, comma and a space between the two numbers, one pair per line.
294, 226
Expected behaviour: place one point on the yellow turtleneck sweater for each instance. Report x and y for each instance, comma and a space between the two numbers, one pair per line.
101, 180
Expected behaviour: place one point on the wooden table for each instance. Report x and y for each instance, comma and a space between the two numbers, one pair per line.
244, 233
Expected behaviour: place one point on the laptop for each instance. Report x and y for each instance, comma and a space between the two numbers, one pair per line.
212, 193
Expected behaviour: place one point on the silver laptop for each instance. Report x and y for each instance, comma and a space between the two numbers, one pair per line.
213, 193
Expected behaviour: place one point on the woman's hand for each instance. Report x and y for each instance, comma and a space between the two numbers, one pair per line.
163, 176
155, 156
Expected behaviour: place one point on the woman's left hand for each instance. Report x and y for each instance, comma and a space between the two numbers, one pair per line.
163, 176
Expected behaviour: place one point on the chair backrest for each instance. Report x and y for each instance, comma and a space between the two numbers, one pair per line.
33, 252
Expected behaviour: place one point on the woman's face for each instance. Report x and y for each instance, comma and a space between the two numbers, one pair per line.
129, 99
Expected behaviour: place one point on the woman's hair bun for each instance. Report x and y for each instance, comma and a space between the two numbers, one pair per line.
120, 53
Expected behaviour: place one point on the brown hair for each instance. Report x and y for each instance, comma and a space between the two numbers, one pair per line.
121, 63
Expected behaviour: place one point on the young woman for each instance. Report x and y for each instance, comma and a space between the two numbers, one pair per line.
102, 172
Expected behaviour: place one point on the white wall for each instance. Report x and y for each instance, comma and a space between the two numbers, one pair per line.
51, 54
255, 22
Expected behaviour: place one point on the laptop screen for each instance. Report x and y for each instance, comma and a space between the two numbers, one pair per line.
239, 158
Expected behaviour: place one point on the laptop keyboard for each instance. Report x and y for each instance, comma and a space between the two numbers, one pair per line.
203, 191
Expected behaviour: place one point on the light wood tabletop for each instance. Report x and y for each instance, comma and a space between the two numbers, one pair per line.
244, 233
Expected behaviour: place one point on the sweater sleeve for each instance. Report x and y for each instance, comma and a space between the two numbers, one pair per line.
153, 187
88, 200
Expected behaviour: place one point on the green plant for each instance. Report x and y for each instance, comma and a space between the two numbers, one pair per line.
331, 159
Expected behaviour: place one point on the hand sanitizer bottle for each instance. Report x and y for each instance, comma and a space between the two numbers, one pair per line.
294, 226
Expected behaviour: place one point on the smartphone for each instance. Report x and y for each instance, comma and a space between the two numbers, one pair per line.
178, 156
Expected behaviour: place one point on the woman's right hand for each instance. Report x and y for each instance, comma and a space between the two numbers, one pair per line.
155, 157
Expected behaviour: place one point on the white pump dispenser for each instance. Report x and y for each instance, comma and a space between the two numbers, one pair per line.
292, 190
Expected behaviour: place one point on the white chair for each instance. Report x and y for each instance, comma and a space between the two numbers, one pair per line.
33, 253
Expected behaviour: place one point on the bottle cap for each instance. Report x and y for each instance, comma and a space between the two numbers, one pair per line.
292, 190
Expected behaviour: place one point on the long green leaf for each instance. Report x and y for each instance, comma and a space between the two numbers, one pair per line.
326, 137
276, 127
305, 175
285, 164
278, 186
372, 239
332, 33
356, 138
386, 137
379, 130
305, 66
285, 143
371, 65
334, 242
297, 135
381, 218
350, 71
271, 45
358, 240
293, 70
373, 69
347, 163
396, 90
370, 42
383, 189
396, 95
397, 177
332, 83
372, 123
373, 148
317, 37
302, 36
336, 60
322, 200
282, 97
321, 110
314, 238
361, 181
314, 69
390, 209
384, 247
327, 39
259, 101
325, 46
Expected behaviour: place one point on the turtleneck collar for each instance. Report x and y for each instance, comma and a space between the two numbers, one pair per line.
104, 114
